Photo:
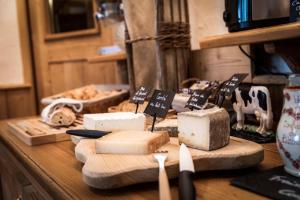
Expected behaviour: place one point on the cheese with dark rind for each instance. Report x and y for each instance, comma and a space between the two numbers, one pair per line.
204, 129
168, 125
131, 142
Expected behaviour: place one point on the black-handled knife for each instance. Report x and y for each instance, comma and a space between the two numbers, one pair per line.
186, 186
87, 133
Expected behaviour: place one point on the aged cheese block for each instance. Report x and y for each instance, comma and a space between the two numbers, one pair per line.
168, 125
180, 101
131, 142
204, 129
115, 121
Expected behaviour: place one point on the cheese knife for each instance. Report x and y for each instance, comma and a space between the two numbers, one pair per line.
186, 166
87, 133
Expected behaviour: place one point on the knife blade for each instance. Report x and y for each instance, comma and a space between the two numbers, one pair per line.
87, 133
186, 166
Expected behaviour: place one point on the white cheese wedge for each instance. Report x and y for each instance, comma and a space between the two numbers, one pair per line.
204, 129
131, 142
115, 121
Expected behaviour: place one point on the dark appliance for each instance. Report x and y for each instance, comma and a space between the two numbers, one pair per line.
248, 14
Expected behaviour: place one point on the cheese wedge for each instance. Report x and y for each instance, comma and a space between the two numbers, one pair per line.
131, 142
204, 129
168, 125
180, 101
115, 121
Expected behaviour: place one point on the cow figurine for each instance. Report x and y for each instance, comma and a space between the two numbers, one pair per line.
253, 100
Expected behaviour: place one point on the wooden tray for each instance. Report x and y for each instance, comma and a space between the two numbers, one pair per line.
35, 132
99, 104
107, 171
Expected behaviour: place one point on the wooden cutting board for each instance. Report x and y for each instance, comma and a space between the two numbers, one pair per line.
107, 171
35, 132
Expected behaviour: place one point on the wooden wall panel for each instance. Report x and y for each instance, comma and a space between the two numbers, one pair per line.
79, 48
108, 73
99, 73
62, 62
206, 18
38, 29
220, 64
57, 78
18, 100
3, 105
73, 74
121, 72
68, 75
11, 66
20, 103
65, 76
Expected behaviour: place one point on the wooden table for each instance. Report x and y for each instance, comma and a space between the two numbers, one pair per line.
51, 171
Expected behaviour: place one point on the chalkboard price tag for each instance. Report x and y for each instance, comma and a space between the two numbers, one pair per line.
140, 95
198, 99
160, 103
232, 84
273, 183
294, 9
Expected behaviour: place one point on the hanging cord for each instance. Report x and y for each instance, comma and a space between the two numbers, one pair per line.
246, 54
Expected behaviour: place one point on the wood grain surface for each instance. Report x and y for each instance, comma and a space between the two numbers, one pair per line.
257, 35
54, 167
62, 58
35, 132
206, 19
17, 97
106, 171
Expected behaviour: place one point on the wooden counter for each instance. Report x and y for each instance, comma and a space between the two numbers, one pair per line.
51, 171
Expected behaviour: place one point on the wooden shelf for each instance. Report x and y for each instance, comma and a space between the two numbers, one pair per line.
72, 34
280, 32
109, 57
4, 86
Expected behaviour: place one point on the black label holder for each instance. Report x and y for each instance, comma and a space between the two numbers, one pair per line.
140, 96
159, 105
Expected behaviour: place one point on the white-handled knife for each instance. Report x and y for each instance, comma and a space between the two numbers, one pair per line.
186, 166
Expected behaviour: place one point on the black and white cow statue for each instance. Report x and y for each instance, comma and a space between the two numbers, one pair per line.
253, 100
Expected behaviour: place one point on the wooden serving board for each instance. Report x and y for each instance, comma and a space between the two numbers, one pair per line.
107, 171
35, 132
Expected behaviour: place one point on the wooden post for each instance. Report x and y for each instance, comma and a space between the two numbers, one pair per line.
159, 53
130, 68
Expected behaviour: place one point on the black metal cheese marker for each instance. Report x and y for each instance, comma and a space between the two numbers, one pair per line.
87, 133
159, 105
228, 87
139, 97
